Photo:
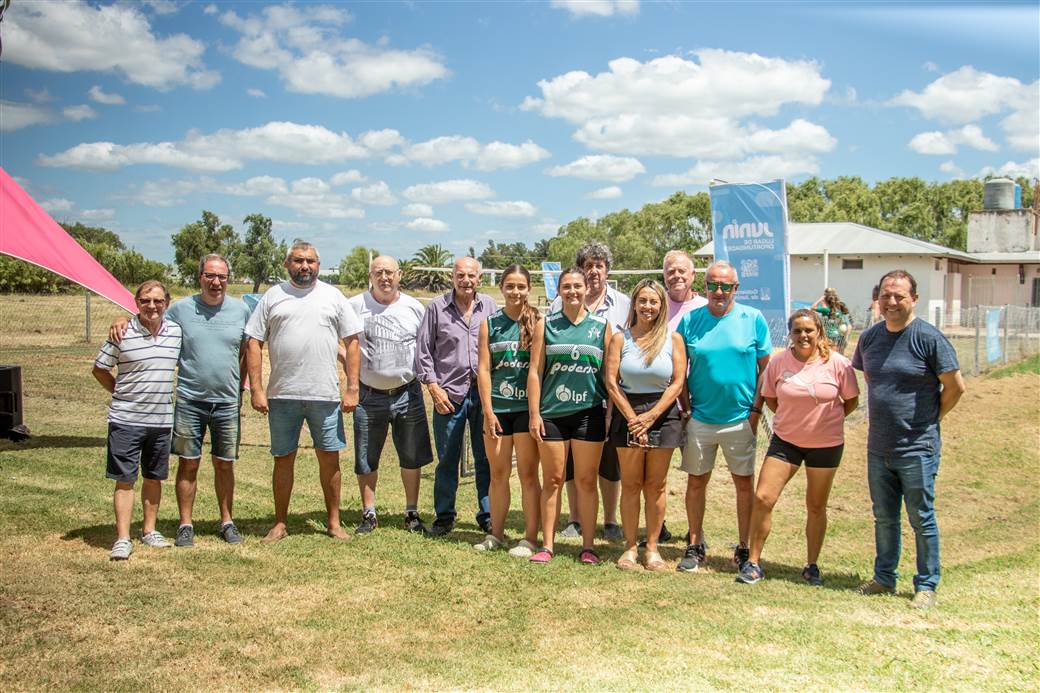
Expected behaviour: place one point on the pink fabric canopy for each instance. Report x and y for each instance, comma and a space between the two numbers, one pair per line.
28, 233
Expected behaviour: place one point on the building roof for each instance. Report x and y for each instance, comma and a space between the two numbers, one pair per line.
1026, 257
846, 238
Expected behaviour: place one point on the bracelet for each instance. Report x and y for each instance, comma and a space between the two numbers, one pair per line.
756, 410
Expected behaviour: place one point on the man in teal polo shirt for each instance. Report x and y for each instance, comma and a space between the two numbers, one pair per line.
728, 347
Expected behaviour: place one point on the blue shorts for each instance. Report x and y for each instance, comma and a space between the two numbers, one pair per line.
324, 419
137, 448
192, 418
403, 411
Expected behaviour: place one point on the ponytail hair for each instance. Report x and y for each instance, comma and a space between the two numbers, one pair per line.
823, 345
528, 313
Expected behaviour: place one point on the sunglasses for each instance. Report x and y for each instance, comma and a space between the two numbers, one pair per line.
712, 286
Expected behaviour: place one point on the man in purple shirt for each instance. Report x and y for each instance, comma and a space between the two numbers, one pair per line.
446, 362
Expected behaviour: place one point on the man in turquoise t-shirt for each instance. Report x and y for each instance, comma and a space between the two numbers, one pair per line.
728, 347
209, 384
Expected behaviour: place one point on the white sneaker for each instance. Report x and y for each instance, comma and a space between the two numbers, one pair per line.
523, 549
121, 550
155, 540
490, 543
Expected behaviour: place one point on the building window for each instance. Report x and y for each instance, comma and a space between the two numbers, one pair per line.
938, 265
851, 264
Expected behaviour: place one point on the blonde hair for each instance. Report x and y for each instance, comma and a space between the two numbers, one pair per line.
823, 345
659, 331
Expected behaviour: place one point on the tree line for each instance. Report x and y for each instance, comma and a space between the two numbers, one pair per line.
913, 207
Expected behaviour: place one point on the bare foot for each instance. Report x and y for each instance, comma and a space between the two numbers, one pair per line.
277, 533
338, 533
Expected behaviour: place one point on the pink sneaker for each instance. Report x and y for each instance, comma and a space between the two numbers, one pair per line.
588, 557
543, 555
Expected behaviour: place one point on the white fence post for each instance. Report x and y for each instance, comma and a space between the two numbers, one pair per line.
86, 335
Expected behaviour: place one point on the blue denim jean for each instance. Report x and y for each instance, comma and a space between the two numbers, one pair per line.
904, 480
449, 432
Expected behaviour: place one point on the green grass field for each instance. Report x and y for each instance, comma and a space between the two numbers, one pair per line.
397, 611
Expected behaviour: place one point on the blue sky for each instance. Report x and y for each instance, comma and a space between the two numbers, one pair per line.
396, 125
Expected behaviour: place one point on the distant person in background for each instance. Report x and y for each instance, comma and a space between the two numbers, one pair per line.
503, 362
595, 259
645, 372
391, 398
140, 416
837, 323
874, 312
811, 389
913, 381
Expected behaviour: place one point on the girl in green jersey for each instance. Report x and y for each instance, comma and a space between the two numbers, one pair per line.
503, 354
565, 385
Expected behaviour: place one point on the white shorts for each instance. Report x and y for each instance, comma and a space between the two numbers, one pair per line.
703, 441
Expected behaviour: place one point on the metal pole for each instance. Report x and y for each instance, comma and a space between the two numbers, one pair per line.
1007, 318
978, 322
826, 268
86, 337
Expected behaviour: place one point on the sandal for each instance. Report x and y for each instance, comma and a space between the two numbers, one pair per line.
542, 556
628, 560
588, 557
654, 562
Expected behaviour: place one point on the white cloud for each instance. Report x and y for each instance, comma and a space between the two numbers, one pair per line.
546, 228
159, 193
98, 95
755, 168
608, 193
448, 191
162, 6
305, 45
39, 95
210, 9
516, 208
97, 214
1013, 169
258, 185
15, 115
498, 155
940, 143
381, 140
375, 194
283, 226
56, 205
470, 152
345, 177
606, 167
76, 36
951, 168
78, 113
417, 209
427, 224
312, 197
256, 93
441, 150
223, 150
671, 106
597, 8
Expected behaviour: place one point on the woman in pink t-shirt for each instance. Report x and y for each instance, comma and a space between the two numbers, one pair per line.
811, 389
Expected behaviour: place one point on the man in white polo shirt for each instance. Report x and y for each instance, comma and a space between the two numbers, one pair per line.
303, 321
140, 416
391, 397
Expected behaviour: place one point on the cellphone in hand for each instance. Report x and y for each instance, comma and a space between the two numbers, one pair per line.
653, 440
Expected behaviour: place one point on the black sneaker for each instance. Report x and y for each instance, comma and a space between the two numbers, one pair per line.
368, 524
692, 558
811, 574
413, 523
485, 524
185, 536
750, 573
441, 528
664, 537
229, 533
741, 554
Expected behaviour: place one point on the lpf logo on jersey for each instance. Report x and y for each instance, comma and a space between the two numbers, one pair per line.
565, 394
510, 392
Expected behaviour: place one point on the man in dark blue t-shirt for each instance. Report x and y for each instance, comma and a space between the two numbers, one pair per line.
913, 381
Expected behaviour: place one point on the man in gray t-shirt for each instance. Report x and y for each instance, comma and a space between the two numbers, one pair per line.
913, 381
303, 321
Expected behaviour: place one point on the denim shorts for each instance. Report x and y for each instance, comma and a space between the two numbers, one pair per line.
137, 448
404, 413
324, 419
192, 418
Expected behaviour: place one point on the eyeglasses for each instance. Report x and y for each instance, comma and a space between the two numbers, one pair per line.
383, 273
212, 275
151, 301
713, 286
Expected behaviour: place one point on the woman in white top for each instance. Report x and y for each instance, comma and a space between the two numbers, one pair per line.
645, 372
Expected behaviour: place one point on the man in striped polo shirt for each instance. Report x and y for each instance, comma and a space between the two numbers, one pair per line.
140, 417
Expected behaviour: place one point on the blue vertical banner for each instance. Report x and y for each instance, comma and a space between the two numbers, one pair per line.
993, 350
749, 222
551, 276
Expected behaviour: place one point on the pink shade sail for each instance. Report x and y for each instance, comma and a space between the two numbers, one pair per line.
28, 233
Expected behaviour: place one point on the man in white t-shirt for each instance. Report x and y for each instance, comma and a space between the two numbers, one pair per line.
303, 321
391, 397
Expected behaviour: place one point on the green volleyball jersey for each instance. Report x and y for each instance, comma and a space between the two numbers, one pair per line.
509, 364
573, 377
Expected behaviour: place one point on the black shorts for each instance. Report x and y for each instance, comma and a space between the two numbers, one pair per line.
512, 422
669, 426
133, 448
821, 458
588, 424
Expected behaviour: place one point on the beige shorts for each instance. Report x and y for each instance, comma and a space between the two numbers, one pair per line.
703, 441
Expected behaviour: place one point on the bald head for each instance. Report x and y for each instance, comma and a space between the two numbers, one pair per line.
465, 276
384, 275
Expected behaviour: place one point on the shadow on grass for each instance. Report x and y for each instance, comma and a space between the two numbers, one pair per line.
37, 442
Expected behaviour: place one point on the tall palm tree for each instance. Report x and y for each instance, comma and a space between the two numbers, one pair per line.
428, 256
